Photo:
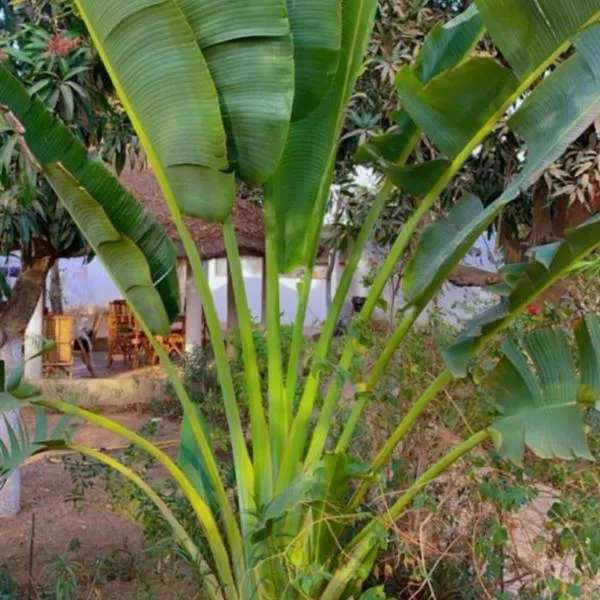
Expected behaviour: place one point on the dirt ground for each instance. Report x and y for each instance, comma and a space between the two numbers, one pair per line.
45, 488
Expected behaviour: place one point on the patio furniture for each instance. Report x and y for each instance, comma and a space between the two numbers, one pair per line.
174, 343
125, 337
60, 330
83, 345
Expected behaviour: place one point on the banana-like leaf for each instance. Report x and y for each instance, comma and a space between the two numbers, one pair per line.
536, 278
587, 334
445, 48
530, 32
417, 179
448, 44
542, 407
561, 107
299, 190
249, 52
151, 53
554, 115
440, 243
109, 212
121, 257
461, 104
192, 462
209, 88
20, 446
317, 32
454, 107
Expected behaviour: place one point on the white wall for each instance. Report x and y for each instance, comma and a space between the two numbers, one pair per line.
457, 304
88, 285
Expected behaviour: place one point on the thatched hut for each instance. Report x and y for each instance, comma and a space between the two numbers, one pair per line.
249, 226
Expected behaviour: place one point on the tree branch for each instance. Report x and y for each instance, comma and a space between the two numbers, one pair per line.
466, 276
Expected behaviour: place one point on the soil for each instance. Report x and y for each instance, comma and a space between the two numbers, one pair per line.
45, 489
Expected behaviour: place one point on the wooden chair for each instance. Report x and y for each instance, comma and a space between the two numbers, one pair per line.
59, 329
174, 343
125, 338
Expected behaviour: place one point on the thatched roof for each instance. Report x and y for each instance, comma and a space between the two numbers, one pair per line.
247, 217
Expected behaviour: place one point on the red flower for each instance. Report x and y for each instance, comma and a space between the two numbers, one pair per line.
60, 45
533, 310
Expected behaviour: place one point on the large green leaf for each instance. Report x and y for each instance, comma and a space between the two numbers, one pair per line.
587, 333
433, 260
454, 107
317, 32
299, 190
528, 32
445, 48
417, 179
535, 278
554, 115
447, 44
541, 408
249, 52
121, 257
153, 58
561, 107
51, 142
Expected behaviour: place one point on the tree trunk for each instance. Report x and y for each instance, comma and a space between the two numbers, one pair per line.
56, 292
10, 490
17, 312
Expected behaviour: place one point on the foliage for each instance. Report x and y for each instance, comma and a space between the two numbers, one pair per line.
62, 574
9, 589
49, 48
292, 516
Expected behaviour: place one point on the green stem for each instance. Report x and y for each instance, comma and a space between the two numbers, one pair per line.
401, 243
436, 470
241, 457
213, 588
199, 430
298, 335
314, 237
301, 423
279, 408
201, 509
398, 435
377, 289
377, 370
321, 432
364, 543
261, 447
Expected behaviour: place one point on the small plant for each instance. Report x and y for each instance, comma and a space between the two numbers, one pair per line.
9, 590
60, 577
